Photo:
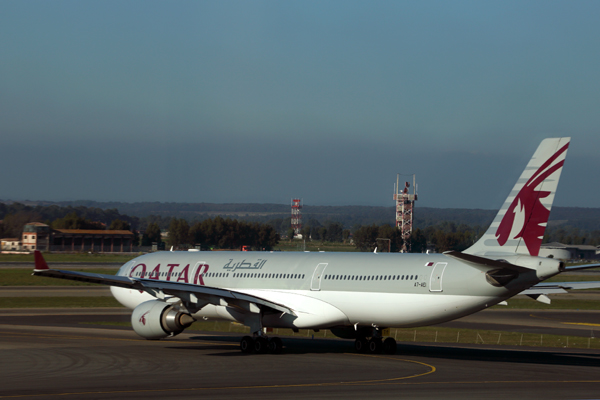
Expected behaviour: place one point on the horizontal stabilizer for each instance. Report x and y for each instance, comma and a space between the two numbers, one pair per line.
560, 287
482, 262
580, 267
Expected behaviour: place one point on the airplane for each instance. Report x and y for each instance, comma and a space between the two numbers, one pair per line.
354, 295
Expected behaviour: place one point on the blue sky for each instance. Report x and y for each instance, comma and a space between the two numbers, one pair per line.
262, 101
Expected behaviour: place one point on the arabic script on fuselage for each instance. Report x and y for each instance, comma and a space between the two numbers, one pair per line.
234, 266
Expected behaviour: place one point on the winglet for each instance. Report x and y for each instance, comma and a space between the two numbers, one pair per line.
40, 263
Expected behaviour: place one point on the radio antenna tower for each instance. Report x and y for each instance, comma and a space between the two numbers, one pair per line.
297, 216
405, 206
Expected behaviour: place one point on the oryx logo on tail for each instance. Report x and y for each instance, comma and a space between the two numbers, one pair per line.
528, 203
519, 226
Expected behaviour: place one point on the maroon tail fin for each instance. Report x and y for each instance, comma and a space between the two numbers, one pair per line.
40, 263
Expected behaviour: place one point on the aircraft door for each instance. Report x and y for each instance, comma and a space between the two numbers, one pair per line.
435, 283
315, 283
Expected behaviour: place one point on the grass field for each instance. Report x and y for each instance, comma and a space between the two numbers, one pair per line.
23, 277
58, 302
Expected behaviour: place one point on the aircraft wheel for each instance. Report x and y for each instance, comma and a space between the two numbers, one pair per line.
247, 344
275, 345
389, 346
375, 345
261, 345
361, 345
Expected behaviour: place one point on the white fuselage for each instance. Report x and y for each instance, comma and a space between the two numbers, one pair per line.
328, 289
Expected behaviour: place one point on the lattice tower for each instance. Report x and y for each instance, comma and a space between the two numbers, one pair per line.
297, 216
405, 206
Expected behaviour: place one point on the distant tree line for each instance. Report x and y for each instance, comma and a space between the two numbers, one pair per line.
330, 231
15, 215
220, 233
442, 237
572, 235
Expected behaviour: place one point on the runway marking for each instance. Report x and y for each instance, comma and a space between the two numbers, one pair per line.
538, 317
564, 323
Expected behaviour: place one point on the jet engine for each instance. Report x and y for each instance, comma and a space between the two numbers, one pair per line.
156, 319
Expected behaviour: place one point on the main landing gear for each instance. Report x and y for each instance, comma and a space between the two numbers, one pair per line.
261, 345
375, 345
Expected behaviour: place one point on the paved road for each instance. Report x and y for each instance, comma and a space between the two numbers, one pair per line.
90, 363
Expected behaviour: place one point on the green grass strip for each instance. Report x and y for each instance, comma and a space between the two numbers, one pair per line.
58, 302
75, 257
23, 277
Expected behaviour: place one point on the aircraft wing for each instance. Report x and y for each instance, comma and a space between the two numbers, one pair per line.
189, 293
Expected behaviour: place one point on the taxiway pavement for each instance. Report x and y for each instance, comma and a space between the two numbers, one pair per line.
50, 354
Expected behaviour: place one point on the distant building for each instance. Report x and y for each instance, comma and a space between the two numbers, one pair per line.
36, 236
10, 244
569, 251
39, 236
92, 240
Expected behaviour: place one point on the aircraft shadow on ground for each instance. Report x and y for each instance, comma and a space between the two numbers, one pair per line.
503, 355
323, 346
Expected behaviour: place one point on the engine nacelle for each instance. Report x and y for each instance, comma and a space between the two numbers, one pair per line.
155, 319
